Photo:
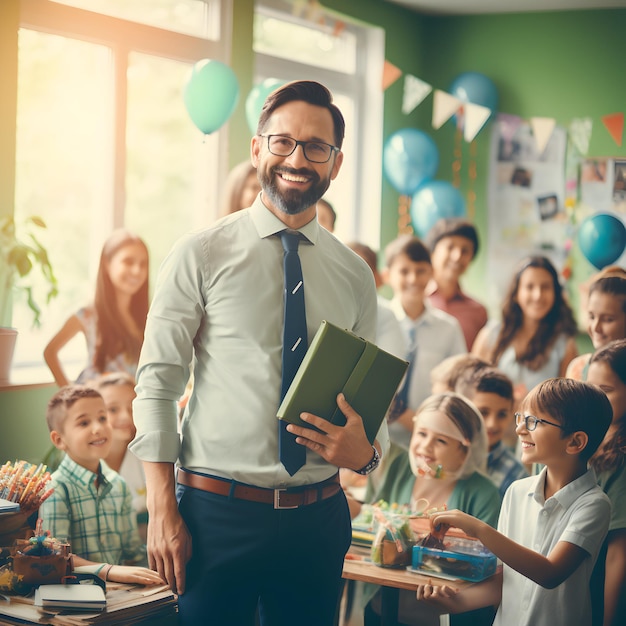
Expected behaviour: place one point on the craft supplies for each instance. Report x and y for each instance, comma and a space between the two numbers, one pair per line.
25, 484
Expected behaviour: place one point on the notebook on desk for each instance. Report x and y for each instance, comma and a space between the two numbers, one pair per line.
339, 361
80, 597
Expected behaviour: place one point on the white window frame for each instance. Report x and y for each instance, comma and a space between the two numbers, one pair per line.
364, 88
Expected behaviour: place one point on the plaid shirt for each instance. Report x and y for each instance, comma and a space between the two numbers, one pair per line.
98, 521
503, 467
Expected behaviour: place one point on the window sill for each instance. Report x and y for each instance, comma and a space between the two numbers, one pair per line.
28, 377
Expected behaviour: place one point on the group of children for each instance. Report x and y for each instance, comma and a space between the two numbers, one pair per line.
451, 437
552, 525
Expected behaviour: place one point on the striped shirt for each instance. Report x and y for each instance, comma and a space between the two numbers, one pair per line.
98, 519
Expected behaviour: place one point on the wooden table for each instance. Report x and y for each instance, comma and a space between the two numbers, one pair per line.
390, 580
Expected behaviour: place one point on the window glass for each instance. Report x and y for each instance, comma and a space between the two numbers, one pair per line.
169, 178
62, 172
190, 17
319, 46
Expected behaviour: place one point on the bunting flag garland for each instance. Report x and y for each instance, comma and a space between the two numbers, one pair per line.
415, 90
391, 73
614, 123
476, 117
580, 134
471, 174
458, 157
542, 131
444, 107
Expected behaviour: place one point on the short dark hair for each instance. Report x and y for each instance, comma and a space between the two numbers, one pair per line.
63, 400
485, 380
452, 227
305, 91
610, 285
577, 406
366, 253
409, 245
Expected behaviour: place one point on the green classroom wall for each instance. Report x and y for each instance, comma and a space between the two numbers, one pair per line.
562, 65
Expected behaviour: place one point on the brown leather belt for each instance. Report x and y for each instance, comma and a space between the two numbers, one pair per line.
290, 498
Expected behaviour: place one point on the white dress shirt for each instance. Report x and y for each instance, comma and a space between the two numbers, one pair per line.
578, 513
219, 301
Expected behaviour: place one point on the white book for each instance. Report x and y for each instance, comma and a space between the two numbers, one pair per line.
89, 597
6, 506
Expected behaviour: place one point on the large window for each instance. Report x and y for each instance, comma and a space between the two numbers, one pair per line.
348, 59
104, 140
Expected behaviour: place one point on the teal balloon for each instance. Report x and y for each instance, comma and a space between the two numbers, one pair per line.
256, 99
432, 201
211, 95
602, 239
475, 88
410, 157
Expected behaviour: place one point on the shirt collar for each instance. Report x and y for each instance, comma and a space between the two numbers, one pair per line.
566, 496
83, 475
425, 317
268, 225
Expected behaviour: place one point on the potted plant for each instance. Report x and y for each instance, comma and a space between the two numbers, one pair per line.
19, 256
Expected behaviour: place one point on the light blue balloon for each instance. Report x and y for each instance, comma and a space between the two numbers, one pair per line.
256, 99
602, 239
475, 88
211, 95
432, 201
410, 157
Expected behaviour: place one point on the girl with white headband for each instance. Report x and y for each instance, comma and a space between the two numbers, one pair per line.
445, 466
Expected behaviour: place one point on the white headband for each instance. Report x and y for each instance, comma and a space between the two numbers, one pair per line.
439, 423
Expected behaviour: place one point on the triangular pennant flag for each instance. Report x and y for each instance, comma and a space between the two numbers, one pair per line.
391, 73
415, 90
542, 131
508, 125
475, 117
444, 107
615, 125
580, 134
338, 28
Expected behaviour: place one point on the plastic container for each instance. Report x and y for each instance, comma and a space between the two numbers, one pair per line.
466, 559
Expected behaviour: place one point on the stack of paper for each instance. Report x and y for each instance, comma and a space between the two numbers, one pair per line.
6, 506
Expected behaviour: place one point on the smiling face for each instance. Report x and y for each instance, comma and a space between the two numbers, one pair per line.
128, 268
602, 375
451, 257
118, 400
535, 293
85, 434
543, 445
292, 184
497, 414
408, 279
606, 319
430, 449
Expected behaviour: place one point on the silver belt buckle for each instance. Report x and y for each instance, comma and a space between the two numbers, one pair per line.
277, 504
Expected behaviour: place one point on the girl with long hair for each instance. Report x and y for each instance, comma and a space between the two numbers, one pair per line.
114, 324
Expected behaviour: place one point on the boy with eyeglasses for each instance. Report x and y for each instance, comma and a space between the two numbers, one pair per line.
551, 526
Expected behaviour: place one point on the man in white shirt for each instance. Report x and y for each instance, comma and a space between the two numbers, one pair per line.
246, 532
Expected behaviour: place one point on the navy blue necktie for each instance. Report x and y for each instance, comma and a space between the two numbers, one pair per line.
401, 400
292, 455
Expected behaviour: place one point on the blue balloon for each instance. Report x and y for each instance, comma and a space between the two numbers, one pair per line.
475, 88
602, 239
410, 157
256, 100
432, 201
211, 95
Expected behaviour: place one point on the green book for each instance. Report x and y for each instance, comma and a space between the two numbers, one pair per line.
338, 361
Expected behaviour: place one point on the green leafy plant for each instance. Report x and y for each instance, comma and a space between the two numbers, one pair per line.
19, 256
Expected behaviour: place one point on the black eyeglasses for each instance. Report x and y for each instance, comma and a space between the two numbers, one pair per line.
530, 421
314, 151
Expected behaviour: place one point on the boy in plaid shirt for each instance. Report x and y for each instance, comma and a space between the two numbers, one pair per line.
91, 503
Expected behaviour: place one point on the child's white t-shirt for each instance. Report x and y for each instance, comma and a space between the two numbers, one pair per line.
579, 514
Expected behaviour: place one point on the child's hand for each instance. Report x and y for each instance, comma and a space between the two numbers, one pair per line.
134, 575
440, 596
468, 524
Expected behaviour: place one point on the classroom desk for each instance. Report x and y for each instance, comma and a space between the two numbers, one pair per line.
391, 581
126, 604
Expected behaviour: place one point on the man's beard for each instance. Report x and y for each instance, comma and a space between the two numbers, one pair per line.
292, 201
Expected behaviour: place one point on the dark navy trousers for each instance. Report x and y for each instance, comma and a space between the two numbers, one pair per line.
246, 554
